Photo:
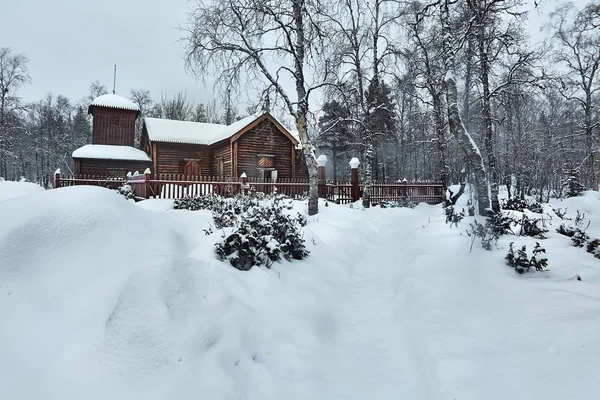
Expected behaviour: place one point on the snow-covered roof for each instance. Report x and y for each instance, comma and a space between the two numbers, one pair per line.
186, 132
110, 152
115, 101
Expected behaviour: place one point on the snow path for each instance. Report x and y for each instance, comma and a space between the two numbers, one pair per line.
422, 318
373, 343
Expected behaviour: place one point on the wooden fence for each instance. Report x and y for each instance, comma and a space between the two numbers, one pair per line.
168, 186
89, 180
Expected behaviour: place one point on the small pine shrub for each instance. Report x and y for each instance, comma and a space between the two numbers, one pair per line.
539, 261
515, 204
522, 260
453, 217
499, 224
407, 203
262, 236
520, 204
531, 227
579, 238
485, 233
593, 247
206, 202
126, 191
572, 187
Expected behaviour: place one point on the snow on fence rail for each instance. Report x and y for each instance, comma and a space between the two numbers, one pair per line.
171, 186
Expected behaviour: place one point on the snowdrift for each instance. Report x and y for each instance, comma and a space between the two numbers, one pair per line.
10, 189
103, 298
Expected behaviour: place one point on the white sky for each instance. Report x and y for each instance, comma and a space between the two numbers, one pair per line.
70, 43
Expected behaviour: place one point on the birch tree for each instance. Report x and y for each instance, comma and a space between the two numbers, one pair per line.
264, 41
577, 39
13, 75
363, 45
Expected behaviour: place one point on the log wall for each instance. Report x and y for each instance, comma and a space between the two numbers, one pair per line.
103, 132
221, 150
170, 157
265, 138
87, 166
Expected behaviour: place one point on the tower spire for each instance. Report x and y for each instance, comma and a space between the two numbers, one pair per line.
115, 80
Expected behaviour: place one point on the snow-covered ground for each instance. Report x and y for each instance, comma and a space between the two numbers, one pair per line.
102, 298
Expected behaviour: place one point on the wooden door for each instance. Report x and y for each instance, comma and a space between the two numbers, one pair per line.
191, 168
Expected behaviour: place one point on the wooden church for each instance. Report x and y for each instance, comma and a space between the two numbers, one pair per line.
257, 145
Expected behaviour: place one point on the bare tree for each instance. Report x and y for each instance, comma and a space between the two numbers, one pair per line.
177, 108
96, 89
262, 41
577, 35
142, 98
13, 75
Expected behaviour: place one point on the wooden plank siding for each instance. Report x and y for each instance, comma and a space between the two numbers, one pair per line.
300, 165
221, 150
265, 138
89, 166
169, 157
122, 134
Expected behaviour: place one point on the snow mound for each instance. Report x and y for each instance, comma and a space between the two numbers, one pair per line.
114, 101
10, 189
102, 298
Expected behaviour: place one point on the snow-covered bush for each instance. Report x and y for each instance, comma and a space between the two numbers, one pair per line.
206, 202
452, 216
522, 263
499, 224
579, 238
531, 227
397, 203
262, 236
485, 233
520, 204
593, 247
572, 187
126, 191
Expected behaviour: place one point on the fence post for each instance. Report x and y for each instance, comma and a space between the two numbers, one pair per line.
355, 191
244, 184
147, 176
57, 178
322, 175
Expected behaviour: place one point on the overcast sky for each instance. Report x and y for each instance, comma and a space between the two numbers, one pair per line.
70, 43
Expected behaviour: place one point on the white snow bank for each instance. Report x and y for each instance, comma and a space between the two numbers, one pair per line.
114, 101
10, 189
110, 152
101, 298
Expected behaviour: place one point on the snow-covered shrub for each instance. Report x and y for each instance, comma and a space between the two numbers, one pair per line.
531, 227
515, 204
521, 262
520, 204
485, 233
126, 191
499, 224
593, 247
572, 187
539, 261
535, 207
206, 202
262, 236
397, 204
452, 216
579, 238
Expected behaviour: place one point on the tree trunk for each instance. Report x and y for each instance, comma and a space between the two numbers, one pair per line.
484, 71
302, 110
366, 196
472, 153
590, 144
